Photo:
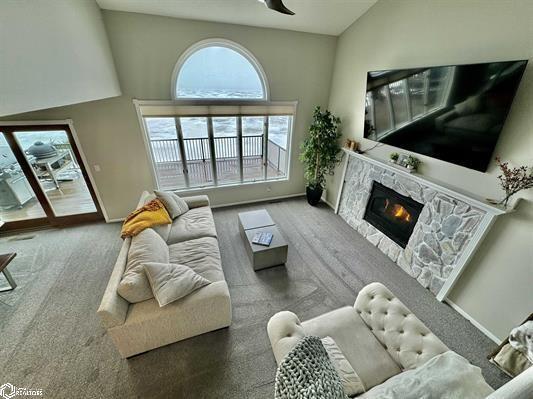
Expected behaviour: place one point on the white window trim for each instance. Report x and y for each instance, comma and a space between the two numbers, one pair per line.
219, 42
167, 108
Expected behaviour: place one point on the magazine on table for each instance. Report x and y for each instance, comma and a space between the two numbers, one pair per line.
262, 239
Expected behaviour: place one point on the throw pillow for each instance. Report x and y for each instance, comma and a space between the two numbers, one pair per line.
147, 246
350, 380
175, 205
170, 281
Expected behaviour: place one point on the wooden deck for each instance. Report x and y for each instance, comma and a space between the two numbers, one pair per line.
170, 174
71, 198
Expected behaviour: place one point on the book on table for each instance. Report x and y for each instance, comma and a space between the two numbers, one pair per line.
262, 239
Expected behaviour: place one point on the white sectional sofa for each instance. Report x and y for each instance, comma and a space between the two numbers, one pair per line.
140, 327
381, 338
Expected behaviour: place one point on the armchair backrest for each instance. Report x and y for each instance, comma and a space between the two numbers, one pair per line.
409, 342
520, 387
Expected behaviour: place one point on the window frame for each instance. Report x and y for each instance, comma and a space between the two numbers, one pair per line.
170, 109
219, 42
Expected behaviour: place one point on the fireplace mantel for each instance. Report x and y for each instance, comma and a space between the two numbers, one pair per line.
452, 224
442, 187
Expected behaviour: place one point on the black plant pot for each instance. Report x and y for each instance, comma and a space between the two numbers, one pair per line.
313, 195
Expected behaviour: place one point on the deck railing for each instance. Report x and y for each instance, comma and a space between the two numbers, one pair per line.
226, 148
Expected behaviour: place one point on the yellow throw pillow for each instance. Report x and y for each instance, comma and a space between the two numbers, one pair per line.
149, 215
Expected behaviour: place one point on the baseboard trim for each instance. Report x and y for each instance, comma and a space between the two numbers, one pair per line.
258, 200
473, 321
115, 220
329, 204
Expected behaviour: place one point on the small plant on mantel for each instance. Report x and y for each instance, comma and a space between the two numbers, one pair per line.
320, 152
412, 162
514, 180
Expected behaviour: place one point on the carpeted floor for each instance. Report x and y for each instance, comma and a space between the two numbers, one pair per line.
51, 338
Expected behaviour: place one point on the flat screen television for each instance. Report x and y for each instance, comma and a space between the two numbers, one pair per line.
454, 113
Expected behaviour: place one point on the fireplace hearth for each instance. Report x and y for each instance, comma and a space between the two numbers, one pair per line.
392, 213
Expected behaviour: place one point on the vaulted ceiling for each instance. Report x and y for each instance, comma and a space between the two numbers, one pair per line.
329, 17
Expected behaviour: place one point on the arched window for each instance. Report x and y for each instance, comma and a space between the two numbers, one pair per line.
220, 127
218, 69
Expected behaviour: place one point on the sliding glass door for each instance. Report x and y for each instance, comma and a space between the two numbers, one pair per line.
42, 178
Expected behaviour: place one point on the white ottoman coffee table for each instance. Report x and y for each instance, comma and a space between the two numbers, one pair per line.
251, 223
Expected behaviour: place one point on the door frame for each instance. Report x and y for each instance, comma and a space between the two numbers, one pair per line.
8, 127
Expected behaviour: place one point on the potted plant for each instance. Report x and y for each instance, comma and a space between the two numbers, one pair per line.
412, 163
394, 157
320, 152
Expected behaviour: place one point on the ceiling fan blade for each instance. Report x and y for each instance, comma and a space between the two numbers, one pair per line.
277, 5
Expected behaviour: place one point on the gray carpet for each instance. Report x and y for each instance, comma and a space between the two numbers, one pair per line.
51, 338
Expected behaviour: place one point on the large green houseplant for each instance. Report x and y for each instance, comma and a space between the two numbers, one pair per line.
320, 152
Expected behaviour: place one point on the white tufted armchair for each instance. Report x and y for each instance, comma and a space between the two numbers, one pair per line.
379, 336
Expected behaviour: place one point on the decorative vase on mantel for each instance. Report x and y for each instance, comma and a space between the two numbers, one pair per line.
512, 181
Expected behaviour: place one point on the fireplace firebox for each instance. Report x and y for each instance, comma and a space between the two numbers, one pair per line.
392, 213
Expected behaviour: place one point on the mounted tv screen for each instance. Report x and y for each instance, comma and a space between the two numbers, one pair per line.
453, 113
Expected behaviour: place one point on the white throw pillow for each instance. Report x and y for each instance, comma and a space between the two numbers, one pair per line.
350, 380
147, 246
174, 204
171, 281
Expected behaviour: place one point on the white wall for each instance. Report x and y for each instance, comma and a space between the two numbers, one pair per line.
145, 48
53, 53
496, 289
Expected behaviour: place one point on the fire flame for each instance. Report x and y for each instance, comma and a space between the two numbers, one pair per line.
398, 211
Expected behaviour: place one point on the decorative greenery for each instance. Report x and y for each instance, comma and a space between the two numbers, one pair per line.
412, 162
320, 150
394, 156
514, 180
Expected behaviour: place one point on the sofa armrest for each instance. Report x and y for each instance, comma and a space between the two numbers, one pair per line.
520, 387
284, 331
113, 308
409, 342
197, 201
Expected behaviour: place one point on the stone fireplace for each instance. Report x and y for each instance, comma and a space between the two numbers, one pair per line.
428, 229
392, 213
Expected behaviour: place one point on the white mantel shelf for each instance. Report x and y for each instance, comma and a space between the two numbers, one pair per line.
490, 211
442, 187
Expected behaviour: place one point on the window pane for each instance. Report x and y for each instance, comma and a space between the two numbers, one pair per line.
50, 155
416, 93
381, 110
218, 72
165, 152
399, 102
17, 199
437, 86
226, 150
198, 156
252, 148
278, 133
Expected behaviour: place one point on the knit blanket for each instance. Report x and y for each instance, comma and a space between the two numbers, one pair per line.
307, 373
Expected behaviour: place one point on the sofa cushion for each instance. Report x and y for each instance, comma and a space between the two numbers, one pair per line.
170, 281
175, 205
201, 255
351, 383
363, 351
147, 246
195, 223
